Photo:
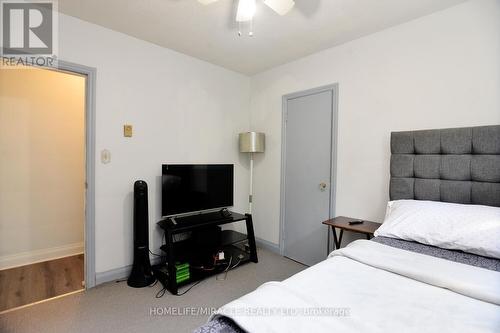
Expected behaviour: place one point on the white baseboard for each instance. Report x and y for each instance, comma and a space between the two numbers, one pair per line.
118, 273
275, 248
31, 257
112, 275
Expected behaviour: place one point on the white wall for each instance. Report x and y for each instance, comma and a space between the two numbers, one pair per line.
438, 71
442, 70
41, 165
183, 111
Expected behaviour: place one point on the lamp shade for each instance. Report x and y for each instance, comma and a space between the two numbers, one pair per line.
252, 142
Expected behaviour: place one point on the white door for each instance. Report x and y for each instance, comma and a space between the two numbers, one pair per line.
308, 150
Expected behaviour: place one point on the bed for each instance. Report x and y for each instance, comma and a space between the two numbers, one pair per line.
433, 267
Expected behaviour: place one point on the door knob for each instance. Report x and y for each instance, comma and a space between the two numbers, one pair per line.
322, 186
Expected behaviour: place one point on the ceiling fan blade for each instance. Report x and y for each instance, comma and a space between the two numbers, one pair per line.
207, 2
281, 7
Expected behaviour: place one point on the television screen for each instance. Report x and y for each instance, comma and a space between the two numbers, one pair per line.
194, 187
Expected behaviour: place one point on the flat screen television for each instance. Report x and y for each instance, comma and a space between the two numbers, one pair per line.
196, 187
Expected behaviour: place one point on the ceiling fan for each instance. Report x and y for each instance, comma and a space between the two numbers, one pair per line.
246, 10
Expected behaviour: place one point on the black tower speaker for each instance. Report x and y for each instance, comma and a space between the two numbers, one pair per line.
141, 275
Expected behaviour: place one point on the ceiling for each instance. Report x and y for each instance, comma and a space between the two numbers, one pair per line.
210, 32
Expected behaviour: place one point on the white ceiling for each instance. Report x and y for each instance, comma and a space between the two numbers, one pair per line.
210, 32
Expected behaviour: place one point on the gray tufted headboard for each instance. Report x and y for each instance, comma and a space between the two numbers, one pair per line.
460, 165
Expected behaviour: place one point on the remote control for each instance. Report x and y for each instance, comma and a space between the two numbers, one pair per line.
225, 212
355, 222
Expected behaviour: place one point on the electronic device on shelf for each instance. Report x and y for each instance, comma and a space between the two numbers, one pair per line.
205, 246
225, 213
190, 188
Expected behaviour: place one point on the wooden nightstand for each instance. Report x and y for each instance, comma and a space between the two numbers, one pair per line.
342, 222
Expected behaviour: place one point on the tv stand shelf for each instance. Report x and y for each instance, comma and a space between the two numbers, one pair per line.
230, 243
230, 237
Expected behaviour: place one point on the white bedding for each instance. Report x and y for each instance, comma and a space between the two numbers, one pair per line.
469, 228
385, 289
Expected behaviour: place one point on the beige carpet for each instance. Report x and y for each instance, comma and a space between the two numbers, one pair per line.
114, 307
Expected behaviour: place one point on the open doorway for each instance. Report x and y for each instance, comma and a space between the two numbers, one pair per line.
42, 177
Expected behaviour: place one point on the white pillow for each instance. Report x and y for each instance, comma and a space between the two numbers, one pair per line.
470, 228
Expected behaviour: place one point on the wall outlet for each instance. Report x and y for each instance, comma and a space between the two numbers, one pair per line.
127, 131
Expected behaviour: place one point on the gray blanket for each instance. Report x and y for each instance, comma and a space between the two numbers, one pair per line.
456, 256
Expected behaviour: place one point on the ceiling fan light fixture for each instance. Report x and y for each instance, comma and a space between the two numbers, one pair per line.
282, 7
246, 10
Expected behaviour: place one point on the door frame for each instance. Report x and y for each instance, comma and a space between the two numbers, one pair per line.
334, 88
89, 229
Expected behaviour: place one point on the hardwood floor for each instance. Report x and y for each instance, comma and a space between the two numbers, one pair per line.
32, 283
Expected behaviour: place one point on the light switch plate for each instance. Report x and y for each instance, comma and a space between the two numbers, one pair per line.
105, 156
127, 131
